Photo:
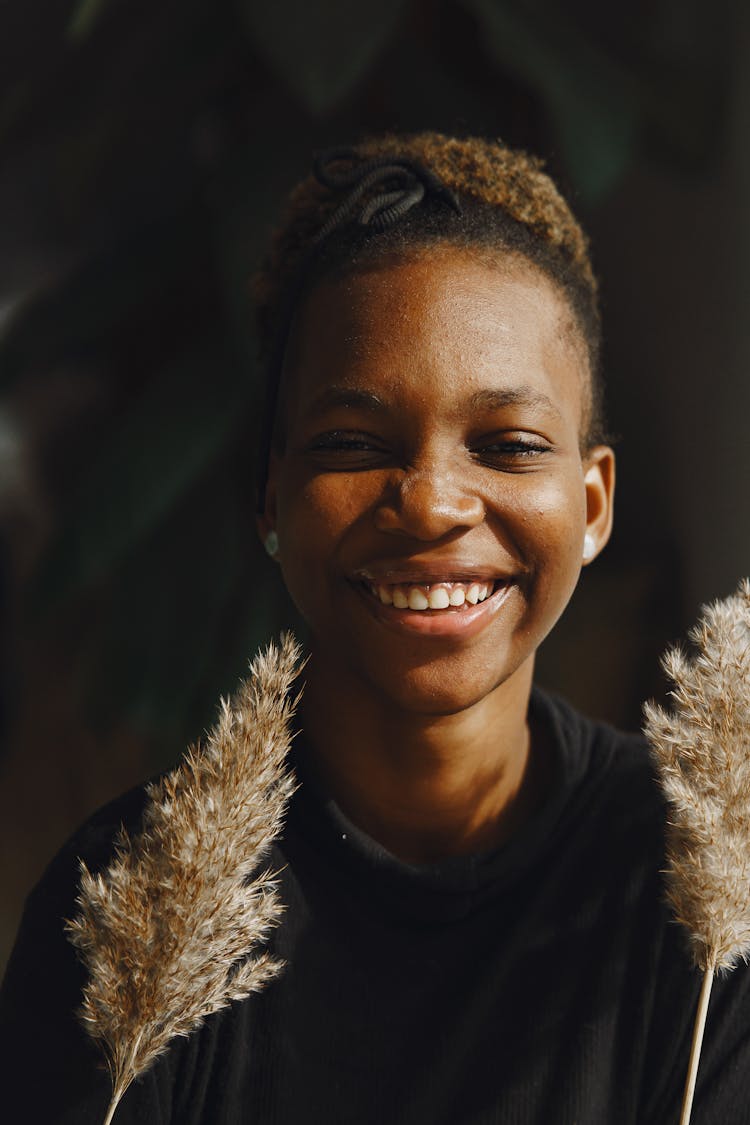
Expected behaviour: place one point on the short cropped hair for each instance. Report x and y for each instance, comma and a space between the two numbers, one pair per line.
504, 202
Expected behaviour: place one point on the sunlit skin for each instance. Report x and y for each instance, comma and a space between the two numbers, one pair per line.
432, 428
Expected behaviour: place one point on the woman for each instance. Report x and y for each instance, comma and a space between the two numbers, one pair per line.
474, 929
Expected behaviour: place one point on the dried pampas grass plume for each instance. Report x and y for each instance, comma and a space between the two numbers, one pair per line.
702, 752
168, 931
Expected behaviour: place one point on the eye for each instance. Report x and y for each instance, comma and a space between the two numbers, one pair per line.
512, 452
347, 449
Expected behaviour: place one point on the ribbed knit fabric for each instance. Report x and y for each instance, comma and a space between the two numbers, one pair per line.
542, 984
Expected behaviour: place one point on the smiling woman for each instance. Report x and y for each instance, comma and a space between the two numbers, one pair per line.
432, 435
474, 929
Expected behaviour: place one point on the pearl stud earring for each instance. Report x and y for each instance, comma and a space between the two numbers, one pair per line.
271, 543
589, 546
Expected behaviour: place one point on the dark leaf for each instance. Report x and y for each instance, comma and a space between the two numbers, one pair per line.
184, 614
85, 14
79, 313
173, 432
167, 610
323, 49
593, 101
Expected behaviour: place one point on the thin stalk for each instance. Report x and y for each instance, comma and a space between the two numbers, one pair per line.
695, 1050
127, 1072
111, 1110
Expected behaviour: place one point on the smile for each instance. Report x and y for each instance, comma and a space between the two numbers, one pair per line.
435, 596
439, 608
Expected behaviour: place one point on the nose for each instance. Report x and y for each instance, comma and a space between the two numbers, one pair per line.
427, 504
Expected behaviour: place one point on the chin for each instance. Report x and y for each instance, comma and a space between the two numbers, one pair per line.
430, 674
445, 685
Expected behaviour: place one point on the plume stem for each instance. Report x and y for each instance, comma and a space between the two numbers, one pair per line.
695, 1049
112, 1107
124, 1075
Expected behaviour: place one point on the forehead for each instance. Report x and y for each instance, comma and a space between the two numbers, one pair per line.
446, 322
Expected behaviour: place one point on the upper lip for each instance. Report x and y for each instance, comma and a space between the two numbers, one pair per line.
423, 572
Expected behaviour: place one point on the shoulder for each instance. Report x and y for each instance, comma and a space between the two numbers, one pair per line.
41, 934
93, 842
611, 813
573, 727
596, 755
52, 900
54, 1070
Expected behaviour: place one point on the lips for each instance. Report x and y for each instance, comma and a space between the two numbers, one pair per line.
458, 602
429, 571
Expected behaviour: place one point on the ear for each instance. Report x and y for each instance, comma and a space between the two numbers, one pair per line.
599, 482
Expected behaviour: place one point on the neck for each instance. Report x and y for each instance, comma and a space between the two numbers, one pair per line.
424, 786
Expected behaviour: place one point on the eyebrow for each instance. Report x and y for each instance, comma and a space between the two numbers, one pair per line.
499, 398
351, 397
488, 399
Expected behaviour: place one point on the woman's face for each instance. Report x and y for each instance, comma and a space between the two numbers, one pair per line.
431, 457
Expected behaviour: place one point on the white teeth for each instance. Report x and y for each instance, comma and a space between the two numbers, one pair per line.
417, 600
438, 598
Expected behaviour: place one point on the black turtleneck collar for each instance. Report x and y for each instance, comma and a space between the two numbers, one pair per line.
456, 886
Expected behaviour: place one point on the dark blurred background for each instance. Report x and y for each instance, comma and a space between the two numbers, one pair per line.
145, 149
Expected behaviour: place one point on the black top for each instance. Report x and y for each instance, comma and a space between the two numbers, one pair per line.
542, 983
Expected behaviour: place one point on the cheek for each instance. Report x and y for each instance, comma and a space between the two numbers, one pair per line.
550, 520
319, 507
319, 517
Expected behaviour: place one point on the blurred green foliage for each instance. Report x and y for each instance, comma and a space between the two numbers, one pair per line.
152, 144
